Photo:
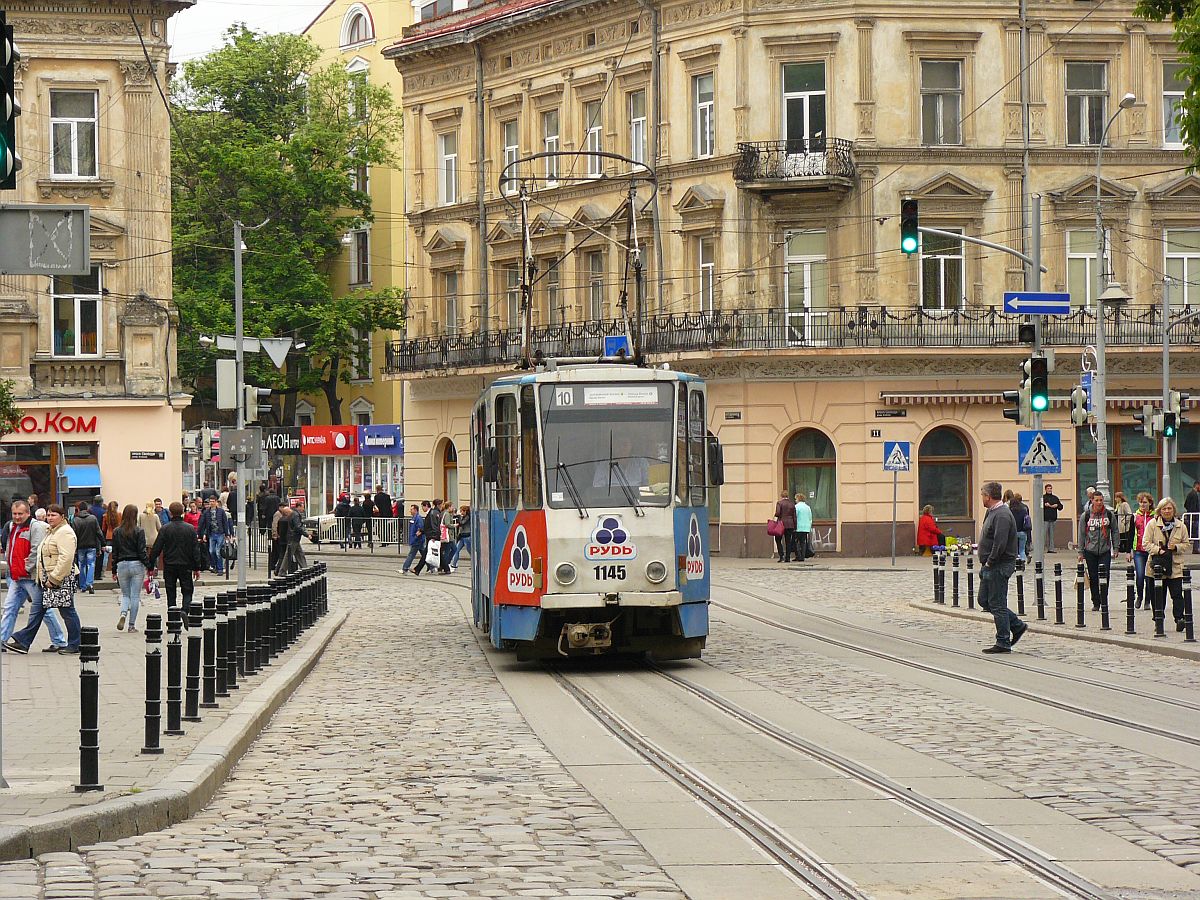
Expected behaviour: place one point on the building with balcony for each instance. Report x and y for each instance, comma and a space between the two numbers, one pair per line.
784, 136
93, 356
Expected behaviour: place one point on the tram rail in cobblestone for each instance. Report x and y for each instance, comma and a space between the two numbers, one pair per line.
1006, 689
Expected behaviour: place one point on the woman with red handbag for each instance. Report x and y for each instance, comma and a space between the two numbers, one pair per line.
783, 528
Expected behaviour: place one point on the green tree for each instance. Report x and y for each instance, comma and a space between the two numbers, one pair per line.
10, 413
264, 136
1185, 15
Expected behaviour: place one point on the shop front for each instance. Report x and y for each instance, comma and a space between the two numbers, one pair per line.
322, 462
128, 451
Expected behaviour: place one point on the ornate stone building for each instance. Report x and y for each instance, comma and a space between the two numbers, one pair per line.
93, 356
784, 136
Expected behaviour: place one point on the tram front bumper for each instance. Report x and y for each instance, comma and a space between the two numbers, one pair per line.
622, 598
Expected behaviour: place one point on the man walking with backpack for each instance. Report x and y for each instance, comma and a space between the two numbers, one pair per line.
431, 532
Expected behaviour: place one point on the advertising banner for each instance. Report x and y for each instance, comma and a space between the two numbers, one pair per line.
281, 441
380, 440
329, 440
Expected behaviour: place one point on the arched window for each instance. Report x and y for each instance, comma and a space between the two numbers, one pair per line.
810, 465
450, 472
945, 473
356, 26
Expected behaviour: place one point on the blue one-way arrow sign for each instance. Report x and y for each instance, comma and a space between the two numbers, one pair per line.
1037, 303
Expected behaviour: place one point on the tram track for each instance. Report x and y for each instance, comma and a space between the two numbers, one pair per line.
1006, 688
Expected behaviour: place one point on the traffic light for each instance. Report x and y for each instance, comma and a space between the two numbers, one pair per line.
10, 160
1079, 410
909, 240
1175, 402
1021, 414
205, 443
1039, 384
1147, 417
1026, 332
258, 402
1169, 425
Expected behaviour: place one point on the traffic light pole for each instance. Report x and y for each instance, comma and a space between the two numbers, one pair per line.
1166, 373
239, 355
1033, 279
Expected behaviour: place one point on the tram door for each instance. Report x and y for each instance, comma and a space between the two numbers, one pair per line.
483, 498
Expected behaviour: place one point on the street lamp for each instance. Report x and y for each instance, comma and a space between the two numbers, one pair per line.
1112, 294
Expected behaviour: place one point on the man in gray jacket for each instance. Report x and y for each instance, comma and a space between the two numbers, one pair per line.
997, 560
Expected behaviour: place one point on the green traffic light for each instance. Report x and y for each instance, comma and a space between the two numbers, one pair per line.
1039, 402
909, 245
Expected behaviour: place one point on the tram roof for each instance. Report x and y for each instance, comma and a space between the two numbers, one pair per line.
598, 371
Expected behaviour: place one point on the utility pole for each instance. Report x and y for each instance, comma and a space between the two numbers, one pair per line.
1033, 281
1166, 384
238, 350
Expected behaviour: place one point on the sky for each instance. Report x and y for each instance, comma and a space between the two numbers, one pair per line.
198, 30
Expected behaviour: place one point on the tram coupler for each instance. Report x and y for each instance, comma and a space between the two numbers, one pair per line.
595, 636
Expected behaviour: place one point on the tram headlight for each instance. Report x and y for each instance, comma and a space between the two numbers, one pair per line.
656, 571
564, 573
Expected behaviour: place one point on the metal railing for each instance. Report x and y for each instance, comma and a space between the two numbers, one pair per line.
794, 160
834, 328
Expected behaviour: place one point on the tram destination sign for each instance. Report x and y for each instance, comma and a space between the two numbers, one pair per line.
45, 239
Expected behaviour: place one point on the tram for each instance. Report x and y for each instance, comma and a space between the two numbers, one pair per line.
590, 513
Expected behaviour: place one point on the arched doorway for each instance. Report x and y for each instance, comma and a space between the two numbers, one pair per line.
944, 478
810, 466
450, 472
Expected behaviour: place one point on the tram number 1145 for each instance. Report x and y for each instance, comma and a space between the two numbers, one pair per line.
609, 573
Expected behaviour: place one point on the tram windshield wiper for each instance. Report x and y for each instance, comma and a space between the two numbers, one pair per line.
630, 494
560, 468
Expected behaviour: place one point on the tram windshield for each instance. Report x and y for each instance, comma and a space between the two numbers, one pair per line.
607, 444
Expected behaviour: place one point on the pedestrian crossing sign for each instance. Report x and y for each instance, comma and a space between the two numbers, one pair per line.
1039, 452
896, 456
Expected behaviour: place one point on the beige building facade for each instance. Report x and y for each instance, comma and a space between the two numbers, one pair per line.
93, 356
785, 138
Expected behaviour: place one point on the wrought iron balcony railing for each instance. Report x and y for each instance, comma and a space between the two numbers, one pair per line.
794, 160
836, 328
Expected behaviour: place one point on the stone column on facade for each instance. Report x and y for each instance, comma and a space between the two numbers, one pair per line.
414, 126
567, 115
868, 268
470, 136
747, 270
140, 102
1037, 83
1137, 132
866, 81
664, 130
1014, 272
741, 109
1013, 131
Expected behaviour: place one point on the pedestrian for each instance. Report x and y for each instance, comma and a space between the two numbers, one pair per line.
1191, 508
215, 527
804, 521
449, 537
1097, 542
928, 533
267, 505
97, 509
785, 514
368, 506
88, 541
997, 561
289, 530
192, 516
464, 536
179, 548
382, 504
130, 562
416, 540
1051, 507
431, 532
358, 517
1020, 511
1124, 522
23, 535
1138, 554
341, 519
56, 580
108, 524
149, 522
1166, 541
159, 510
278, 538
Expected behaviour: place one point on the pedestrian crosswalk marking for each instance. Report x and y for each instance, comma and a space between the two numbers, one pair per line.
1039, 454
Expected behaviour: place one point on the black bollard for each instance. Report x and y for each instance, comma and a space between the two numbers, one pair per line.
1020, 588
1189, 632
222, 639
1130, 599
1080, 577
971, 581
275, 624
1039, 586
254, 629
208, 699
239, 632
191, 694
954, 579
1058, 595
174, 670
1105, 625
323, 588
89, 710
153, 684
299, 605
231, 651
1160, 606
935, 576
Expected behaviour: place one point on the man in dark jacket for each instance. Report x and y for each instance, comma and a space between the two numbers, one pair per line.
1051, 507
383, 510
997, 560
215, 527
358, 517
431, 530
176, 543
268, 503
97, 508
341, 515
368, 512
88, 541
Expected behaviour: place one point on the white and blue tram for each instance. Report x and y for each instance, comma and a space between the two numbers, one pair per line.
590, 516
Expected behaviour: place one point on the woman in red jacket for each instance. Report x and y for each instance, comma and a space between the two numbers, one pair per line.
928, 533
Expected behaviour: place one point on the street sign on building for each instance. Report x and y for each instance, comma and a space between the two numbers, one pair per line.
1039, 452
45, 239
897, 456
1037, 303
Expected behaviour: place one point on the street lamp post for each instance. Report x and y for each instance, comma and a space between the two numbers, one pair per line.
241, 532
1099, 397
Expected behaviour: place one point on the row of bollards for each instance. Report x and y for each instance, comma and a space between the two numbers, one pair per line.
230, 637
1156, 593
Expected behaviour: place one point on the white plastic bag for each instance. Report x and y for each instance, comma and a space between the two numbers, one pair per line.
433, 554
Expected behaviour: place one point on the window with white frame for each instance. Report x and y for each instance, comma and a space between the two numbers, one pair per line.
436, 8
1183, 265
595, 274
76, 300
703, 109
360, 357
1173, 88
510, 135
550, 145
305, 413
358, 90
356, 27
1087, 101
450, 294
706, 264
361, 411
360, 256
804, 107
806, 274
359, 174
448, 168
593, 137
941, 101
1081, 264
942, 272
637, 126
552, 279
73, 134
512, 295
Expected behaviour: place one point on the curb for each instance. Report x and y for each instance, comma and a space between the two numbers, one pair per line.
189, 786
1036, 627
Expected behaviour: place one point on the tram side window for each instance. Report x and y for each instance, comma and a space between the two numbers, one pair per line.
681, 446
479, 440
507, 484
697, 426
531, 463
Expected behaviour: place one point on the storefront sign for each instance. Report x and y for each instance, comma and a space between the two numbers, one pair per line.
281, 441
380, 440
147, 454
57, 423
329, 440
